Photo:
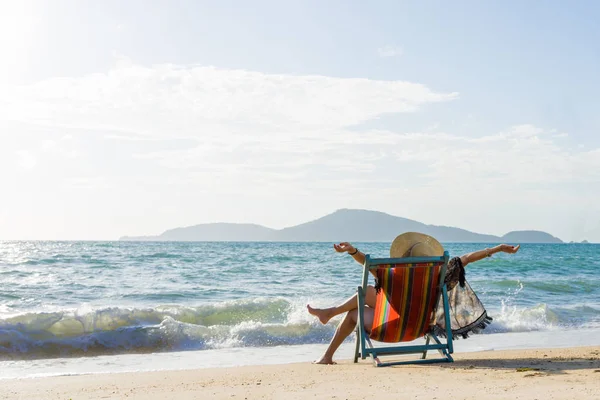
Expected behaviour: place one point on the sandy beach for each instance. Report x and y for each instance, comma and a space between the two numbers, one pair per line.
563, 373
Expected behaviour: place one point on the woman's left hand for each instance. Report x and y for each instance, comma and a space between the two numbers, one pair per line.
510, 249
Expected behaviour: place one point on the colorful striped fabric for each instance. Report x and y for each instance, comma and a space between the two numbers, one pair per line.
404, 307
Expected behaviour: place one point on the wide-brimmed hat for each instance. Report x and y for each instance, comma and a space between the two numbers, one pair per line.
414, 244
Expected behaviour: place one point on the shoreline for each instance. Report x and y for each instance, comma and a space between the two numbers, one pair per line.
558, 373
272, 355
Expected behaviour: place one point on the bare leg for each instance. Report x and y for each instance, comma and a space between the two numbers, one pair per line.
325, 314
344, 329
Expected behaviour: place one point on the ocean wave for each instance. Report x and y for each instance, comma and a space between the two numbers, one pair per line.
159, 255
260, 322
542, 317
116, 330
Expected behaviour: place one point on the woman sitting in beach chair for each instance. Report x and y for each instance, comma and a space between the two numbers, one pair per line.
462, 323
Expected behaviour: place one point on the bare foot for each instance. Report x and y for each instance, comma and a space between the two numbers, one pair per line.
322, 313
325, 361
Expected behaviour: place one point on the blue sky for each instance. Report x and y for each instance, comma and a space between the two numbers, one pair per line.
509, 89
512, 62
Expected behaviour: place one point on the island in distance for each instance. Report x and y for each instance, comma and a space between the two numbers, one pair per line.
345, 224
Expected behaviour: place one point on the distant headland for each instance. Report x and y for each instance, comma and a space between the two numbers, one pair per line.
345, 224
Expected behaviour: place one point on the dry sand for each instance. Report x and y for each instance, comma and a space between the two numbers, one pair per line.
571, 373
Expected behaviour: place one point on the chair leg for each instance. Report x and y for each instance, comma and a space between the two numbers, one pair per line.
426, 343
357, 345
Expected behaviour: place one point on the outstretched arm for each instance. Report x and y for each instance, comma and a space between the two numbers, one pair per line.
478, 255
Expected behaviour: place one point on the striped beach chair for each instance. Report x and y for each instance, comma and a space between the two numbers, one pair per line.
410, 291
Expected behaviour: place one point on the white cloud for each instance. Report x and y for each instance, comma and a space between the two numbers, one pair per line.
390, 51
262, 144
39, 151
182, 100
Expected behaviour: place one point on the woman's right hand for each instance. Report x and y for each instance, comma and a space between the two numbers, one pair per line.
344, 247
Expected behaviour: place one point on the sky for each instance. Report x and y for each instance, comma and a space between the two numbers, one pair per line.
129, 118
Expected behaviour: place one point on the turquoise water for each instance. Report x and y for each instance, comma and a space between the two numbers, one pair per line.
78, 299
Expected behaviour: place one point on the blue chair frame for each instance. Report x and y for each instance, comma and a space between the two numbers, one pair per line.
364, 346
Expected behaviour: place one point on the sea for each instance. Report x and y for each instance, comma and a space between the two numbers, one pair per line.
103, 307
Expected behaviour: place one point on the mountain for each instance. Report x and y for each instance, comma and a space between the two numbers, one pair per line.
530, 237
371, 226
219, 232
344, 224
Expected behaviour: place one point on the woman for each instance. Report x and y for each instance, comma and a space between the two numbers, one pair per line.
455, 274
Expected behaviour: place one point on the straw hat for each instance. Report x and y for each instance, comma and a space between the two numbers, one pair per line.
414, 244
